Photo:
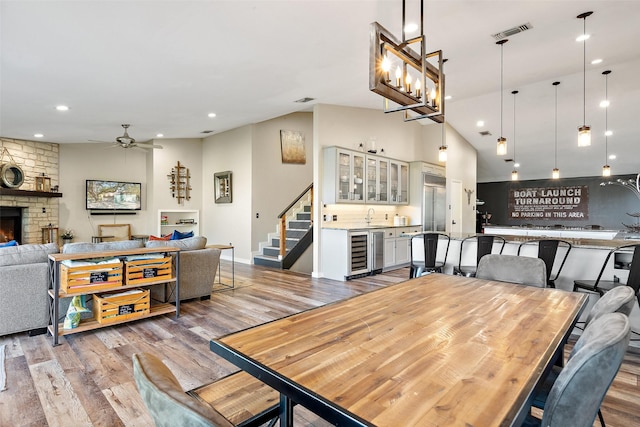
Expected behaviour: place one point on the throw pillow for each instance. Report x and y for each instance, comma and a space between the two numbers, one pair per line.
9, 243
167, 237
178, 235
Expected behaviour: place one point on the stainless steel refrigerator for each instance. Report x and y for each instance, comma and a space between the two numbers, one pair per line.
434, 203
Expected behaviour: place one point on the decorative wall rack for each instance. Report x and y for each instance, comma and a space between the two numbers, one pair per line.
180, 182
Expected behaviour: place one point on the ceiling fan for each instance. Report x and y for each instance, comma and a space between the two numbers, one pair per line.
125, 141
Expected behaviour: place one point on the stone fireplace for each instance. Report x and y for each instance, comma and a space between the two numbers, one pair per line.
35, 209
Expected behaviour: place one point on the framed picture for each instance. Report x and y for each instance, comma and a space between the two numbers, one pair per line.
292, 143
222, 185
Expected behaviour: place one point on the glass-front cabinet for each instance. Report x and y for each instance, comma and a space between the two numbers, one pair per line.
355, 177
399, 182
377, 180
344, 174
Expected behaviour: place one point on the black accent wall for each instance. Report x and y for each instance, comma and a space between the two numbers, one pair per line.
608, 205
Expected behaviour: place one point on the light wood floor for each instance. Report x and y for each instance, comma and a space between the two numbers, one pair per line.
87, 380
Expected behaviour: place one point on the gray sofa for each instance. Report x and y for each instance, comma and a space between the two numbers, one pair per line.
24, 281
198, 264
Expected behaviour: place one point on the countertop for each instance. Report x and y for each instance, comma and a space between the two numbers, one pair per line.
360, 227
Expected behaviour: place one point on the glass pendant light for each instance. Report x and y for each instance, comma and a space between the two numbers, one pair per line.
501, 148
584, 131
442, 151
606, 170
555, 174
514, 172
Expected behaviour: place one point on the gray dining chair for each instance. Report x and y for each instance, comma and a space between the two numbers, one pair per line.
514, 269
167, 403
618, 300
580, 388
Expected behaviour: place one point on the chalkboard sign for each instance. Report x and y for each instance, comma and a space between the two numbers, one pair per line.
149, 273
125, 309
98, 276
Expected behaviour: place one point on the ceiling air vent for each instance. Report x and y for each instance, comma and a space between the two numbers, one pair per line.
484, 133
512, 31
305, 99
207, 131
508, 160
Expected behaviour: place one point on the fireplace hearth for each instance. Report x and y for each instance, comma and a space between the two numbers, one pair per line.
10, 224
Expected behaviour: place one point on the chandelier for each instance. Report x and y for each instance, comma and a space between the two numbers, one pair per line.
418, 86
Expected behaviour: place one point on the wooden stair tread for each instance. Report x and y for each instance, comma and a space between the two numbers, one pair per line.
239, 397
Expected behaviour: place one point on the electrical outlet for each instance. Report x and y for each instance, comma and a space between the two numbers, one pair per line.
44, 210
386, 217
324, 217
257, 215
335, 218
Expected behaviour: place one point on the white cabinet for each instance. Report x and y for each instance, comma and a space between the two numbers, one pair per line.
344, 175
377, 179
399, 182
178, 219
396, 248
355, 177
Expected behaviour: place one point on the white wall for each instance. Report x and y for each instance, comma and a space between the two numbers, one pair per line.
79, 162
274, 184
189, 153
225, 223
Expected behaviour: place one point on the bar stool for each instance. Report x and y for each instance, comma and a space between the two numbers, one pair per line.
484, 246
547, 251
430, 264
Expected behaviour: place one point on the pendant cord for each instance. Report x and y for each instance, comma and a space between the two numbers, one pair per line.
606, 118
584, 73
514, 128
501, 85
555, 159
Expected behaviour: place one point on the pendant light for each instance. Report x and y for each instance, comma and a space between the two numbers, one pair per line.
606, 170
501, 148
442, 151
555, 174
514, 172
584, 131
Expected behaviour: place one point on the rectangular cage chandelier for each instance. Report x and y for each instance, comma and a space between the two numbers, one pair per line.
417, 88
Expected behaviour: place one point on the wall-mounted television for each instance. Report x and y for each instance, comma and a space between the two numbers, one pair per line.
113, 195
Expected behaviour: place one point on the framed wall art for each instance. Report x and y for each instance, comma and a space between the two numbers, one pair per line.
222, 185
292, 144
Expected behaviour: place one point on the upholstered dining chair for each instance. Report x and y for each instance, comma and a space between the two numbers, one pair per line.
167, 403
483, 245
430, 244
580, 387
514, 269
547, 251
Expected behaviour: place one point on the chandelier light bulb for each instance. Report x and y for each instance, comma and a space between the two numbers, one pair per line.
418, 88
408, 83
386, 67
398, 76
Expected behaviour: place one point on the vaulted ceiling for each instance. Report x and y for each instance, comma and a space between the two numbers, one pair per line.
163, 66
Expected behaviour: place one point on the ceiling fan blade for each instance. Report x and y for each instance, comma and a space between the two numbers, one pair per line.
148, 146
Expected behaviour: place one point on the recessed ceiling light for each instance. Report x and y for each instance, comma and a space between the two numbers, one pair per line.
582, 37
516, 165
612, 156
62, 108
608, 133
38, 135
604, 103
211, 115
448, 97
411, 27
160, 135
596, 61
480, 123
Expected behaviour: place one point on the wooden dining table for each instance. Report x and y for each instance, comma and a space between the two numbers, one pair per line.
436, 350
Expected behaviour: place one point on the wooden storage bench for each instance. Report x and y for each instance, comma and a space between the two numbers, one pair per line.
241, 398
90, 277
118, 306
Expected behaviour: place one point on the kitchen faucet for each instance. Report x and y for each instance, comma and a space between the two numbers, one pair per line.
368, 218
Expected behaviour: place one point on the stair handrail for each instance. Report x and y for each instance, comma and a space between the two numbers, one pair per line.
283, 218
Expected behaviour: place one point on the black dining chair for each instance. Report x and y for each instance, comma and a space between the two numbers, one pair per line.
571, 396
602, 286
483, 245
547, 251
429, 264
